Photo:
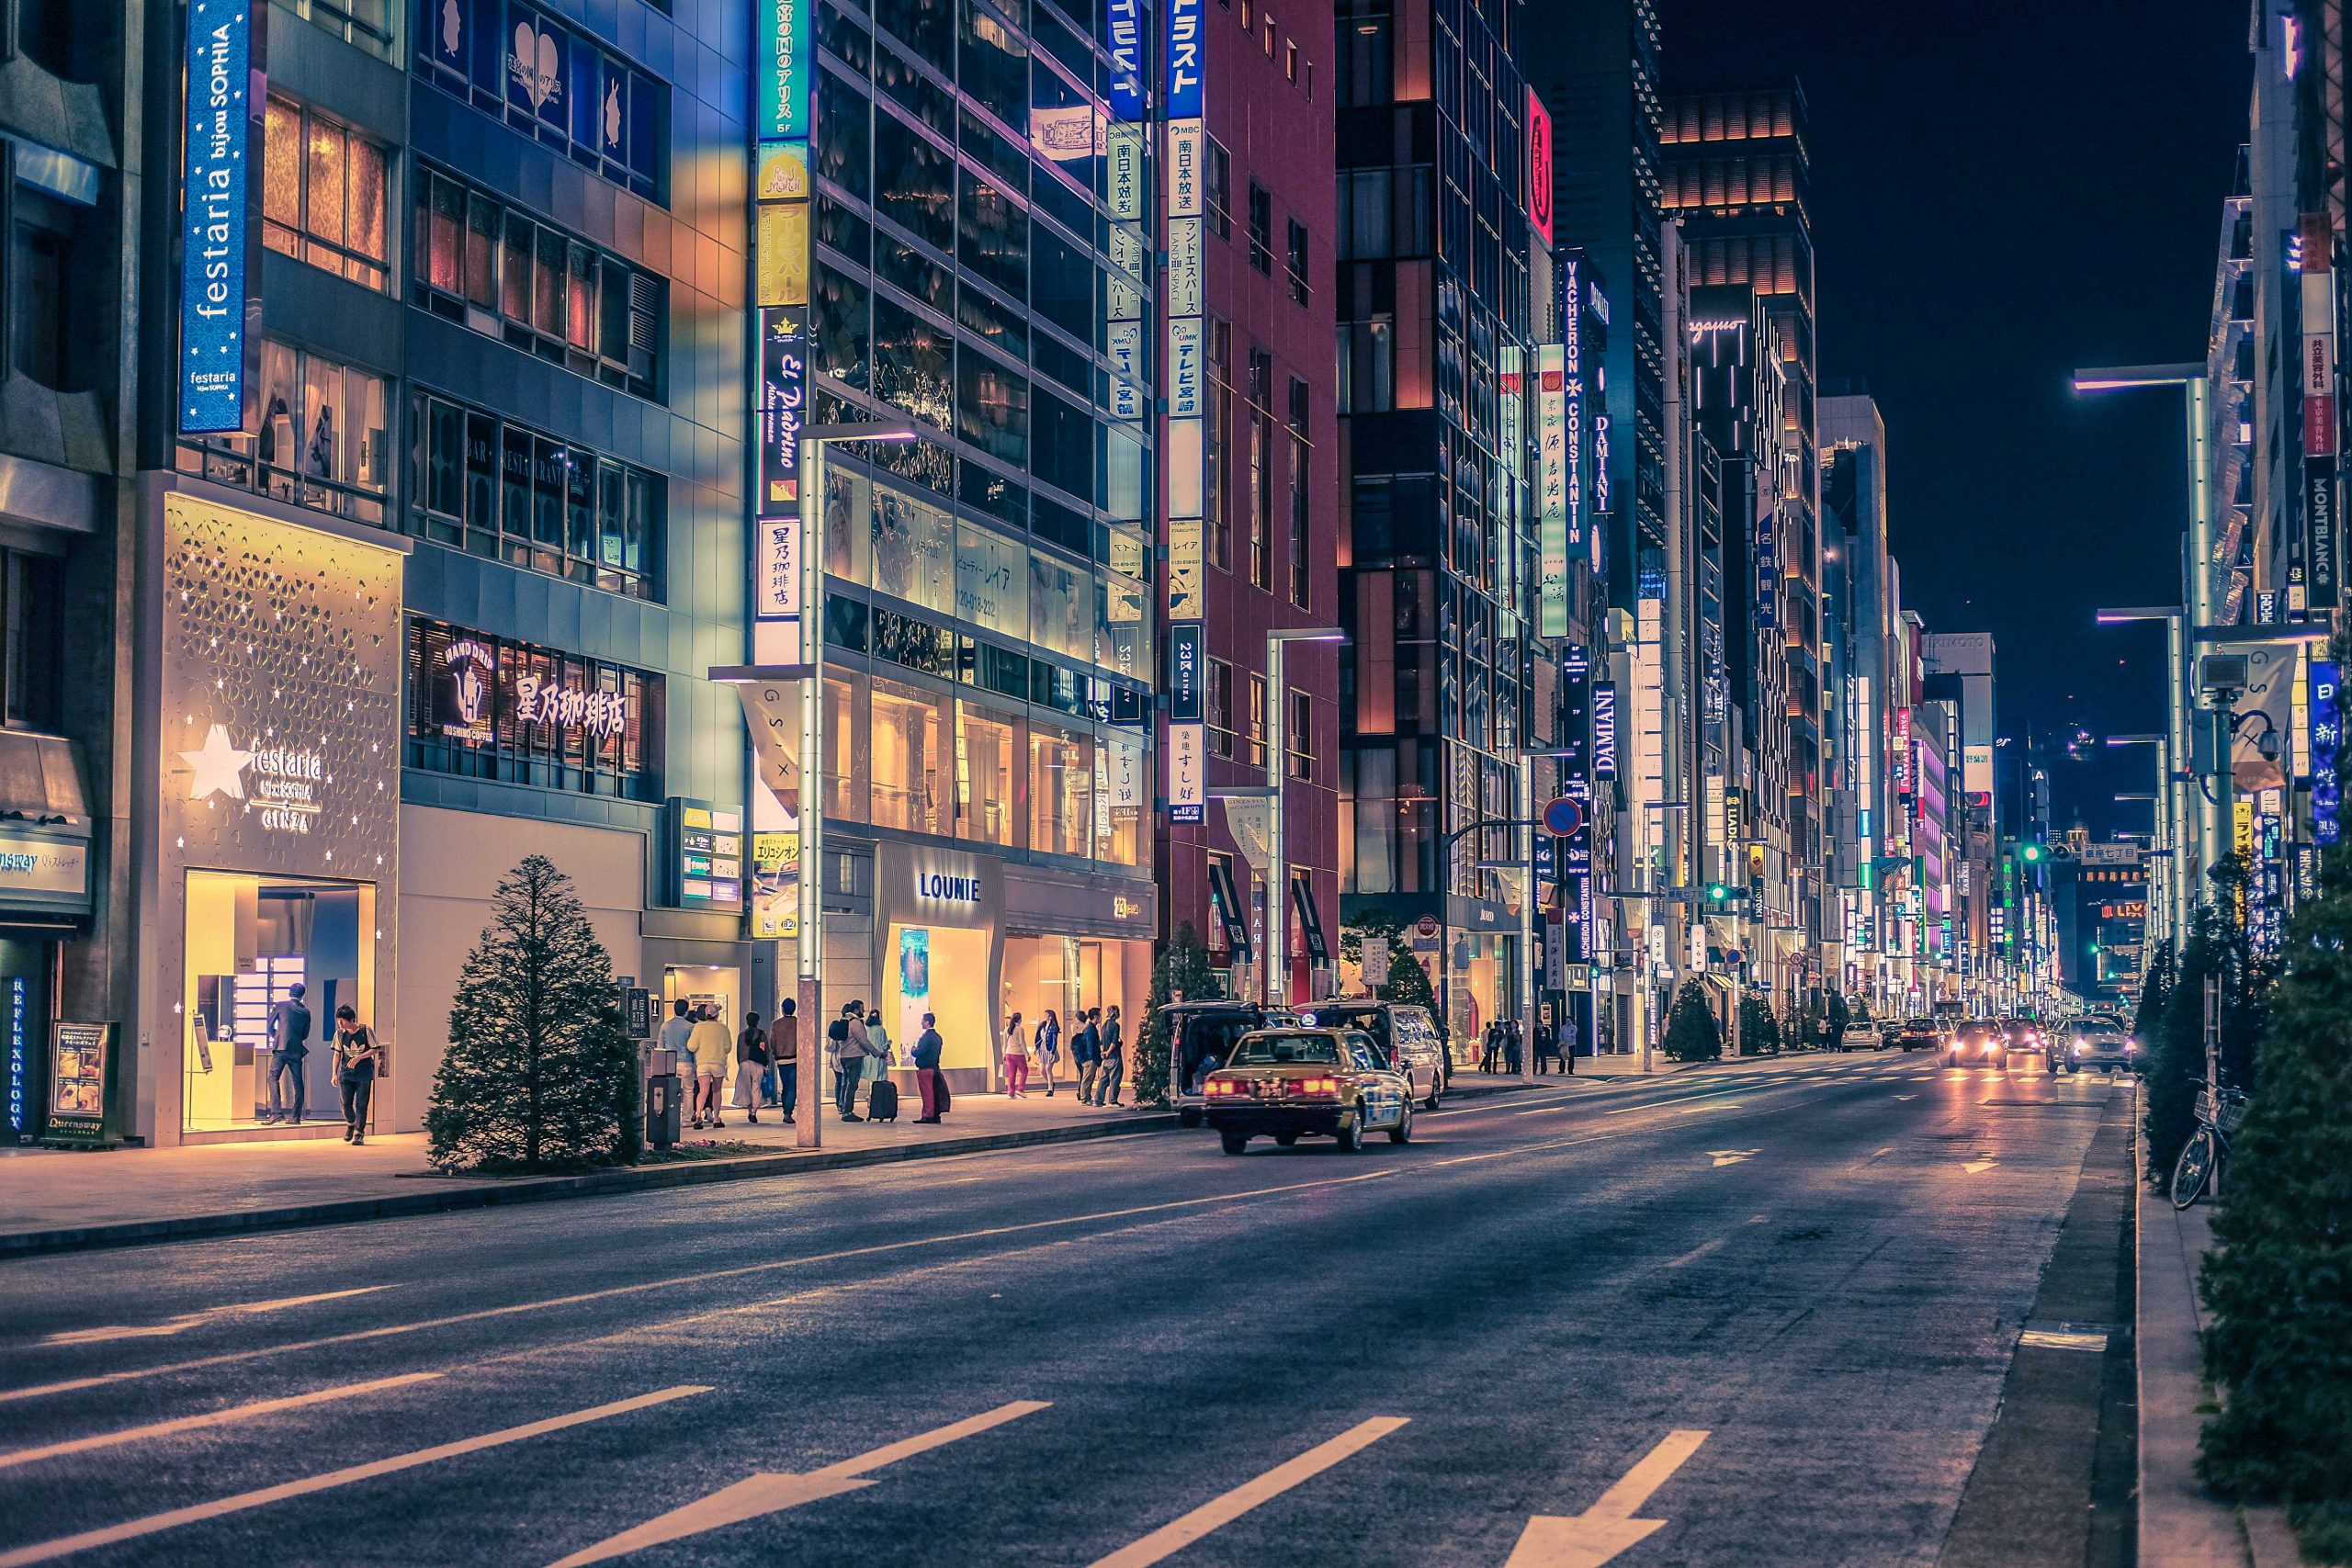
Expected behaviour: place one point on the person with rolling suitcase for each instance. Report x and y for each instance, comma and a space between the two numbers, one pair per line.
882, 1101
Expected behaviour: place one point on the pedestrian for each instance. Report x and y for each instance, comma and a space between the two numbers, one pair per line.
1049, 1047
751, 1066
1490, 1046
1114, 1059
927, 1081
1514, 1048
711, 1045
877, 1044
1086, 1053
290, 1042
677, 1030
1016, 1058
784, 1050
854, 1048
357, 1057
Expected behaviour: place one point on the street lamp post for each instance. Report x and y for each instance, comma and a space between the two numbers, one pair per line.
1277, 955
808, 671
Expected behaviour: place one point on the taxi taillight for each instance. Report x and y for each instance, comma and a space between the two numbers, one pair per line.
1313, 1086
1223, 1085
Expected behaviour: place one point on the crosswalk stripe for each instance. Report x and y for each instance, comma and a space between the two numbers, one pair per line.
1174, 1536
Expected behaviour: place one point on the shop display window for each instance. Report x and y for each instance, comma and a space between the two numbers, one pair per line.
987, 742
489, 707
907, 777
1061, 790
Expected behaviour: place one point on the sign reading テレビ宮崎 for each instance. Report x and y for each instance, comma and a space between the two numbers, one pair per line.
219, 349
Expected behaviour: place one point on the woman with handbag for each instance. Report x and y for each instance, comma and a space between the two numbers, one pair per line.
1049, 1048
1016, 1058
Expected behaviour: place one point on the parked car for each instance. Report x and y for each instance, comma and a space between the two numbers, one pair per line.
1862, 1035
1201, 1038
1405, 1033
1298, 1082
2092, 1043
1916, 1034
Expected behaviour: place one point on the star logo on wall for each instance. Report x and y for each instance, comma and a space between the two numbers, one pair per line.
219, 767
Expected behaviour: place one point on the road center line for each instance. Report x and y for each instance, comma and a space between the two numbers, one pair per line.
186, 1321
15, 1457
611, 1292
1696, 1253
153, 1524
1177, 1534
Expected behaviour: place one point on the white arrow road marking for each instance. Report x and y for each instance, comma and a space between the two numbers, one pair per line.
42, 1551
772, 1492
1177, 1534
189, 1320
1731, 1157
211, 1418
1608, 1528
1907, 1097
1979, 1166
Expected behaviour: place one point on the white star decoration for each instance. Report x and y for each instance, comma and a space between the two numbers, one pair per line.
219, 767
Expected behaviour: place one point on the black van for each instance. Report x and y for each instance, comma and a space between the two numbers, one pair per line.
1200, 1041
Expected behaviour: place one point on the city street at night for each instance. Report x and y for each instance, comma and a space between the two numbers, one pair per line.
1770, 1305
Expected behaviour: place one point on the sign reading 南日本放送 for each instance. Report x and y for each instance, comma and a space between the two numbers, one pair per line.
219, 350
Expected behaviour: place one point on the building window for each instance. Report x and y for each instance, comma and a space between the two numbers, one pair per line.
1367, 381
323, 195
30, 640
1256, 750
1262, 456
1290, 59
1301, 562
1061, 790
488, 708
1216, 436
1217, 189
1262, 229
986, 744
39, 276
324, 442
1218, 689
495, 269
907, 758
507, 492
573, 96
1299, 740
368, 23
1119, 773
1367, 63
1294, 261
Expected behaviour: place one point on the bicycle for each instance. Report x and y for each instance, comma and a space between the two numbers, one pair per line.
2208, 1145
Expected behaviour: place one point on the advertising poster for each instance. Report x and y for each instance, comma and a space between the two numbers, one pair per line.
81, 1063
915, 984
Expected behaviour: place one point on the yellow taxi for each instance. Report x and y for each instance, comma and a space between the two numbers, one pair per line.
1298, 1082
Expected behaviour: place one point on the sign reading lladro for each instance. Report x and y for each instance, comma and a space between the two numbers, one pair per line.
220, 347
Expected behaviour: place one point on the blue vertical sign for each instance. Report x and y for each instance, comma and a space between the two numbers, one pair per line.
2327, 741
216, 345
1123, 41
1185, 59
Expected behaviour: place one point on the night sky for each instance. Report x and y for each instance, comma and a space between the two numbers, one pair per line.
2003, 192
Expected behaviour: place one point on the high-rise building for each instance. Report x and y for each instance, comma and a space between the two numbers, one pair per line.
1861, 601
1736, 175
69, 189
1438, 549
1960, 671
1261, 399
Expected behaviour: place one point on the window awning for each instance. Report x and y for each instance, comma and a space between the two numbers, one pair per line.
41, 782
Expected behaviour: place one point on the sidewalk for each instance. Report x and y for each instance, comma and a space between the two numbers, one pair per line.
2181, 1526
63, 1202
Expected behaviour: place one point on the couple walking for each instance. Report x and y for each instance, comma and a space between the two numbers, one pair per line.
1098, 1051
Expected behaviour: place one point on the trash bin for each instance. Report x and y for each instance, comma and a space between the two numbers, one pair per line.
661, 1094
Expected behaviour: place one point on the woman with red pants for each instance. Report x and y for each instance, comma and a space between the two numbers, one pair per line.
1016, 1058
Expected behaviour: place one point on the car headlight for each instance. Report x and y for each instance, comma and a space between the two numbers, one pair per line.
2075, 1049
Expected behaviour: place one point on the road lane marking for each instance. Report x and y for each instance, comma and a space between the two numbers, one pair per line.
1174, 1536
2063, 1340
47, 1550
611, 1292
1712, 1105
1731, 1157
772, 1492
1979, 1166
188, 1320
1696, 1253
15, 1457
1608, 1528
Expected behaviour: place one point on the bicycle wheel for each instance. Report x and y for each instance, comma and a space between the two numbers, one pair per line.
2196, 1165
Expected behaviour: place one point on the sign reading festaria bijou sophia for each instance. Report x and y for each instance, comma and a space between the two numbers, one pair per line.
277, 687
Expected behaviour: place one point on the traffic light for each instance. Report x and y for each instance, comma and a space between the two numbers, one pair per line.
2032, 853
1720, 892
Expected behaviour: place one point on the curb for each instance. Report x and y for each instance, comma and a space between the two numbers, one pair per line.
545, 1189
556, 1188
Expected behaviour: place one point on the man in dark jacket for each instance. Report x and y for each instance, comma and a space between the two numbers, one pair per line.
1110, 1039
927, 1048
1086, 1053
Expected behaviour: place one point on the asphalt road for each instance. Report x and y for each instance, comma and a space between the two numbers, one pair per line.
1111, 1353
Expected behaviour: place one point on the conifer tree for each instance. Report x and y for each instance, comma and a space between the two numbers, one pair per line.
2280, 1281
541, 1072
1692, 1033
1183, 967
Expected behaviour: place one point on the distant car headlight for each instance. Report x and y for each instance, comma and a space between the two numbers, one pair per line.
2075, 1049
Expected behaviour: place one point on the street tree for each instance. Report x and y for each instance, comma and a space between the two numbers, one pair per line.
541, 1072
1691, 1033
1409, 978
1760, 1032
2279, 1283
1182, 969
